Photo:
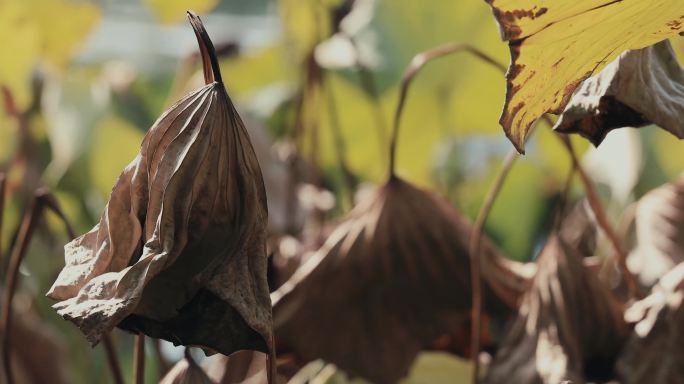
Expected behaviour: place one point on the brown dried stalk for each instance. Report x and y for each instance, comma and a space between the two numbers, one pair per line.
51, 203
414, 67
112, 359
139, 359
474, 251
28, 225
340, 146
3, 187
601, 218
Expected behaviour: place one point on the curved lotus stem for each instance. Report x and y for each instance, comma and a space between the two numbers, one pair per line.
212, 72
412, 70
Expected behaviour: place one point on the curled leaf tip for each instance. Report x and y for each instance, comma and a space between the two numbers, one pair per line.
212, 72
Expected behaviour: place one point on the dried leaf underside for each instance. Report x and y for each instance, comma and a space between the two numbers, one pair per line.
556, 44
568, 325
660, 232
640, 87
654, 353
390, 279
179, 253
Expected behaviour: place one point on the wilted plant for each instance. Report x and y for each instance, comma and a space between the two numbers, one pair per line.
569, 325
390, 279
179, 253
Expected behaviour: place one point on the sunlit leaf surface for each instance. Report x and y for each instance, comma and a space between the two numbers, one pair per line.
557, 44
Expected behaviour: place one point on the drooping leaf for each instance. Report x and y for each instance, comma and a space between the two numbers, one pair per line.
653, 352
659, 231
389, 280
179, 252
640, 87
567, 324
558, 43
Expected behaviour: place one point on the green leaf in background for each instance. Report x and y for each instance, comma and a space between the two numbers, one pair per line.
173, 11
115, 144
44, 35
255, 70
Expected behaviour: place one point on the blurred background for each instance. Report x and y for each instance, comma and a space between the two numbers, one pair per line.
317, 82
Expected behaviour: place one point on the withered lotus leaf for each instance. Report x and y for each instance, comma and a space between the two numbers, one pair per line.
390, 279
568, 323
179, 252
640, 87
653, 353
659, 231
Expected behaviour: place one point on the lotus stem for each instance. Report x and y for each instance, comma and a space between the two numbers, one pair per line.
28, 226
210, 65
112, 359
412, 70
601, 217
139, 359
3, 187
417, 63
50, 202
340, 145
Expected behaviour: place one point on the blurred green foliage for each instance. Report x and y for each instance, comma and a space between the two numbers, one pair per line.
95, 110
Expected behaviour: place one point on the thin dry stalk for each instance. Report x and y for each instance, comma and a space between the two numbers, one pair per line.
50, 202
340, 145
602, 219
139, 359
3, 187
475, 262
28, 225
417, 63
112, 359
414, 67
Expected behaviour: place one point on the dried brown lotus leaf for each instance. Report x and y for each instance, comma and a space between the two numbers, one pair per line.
640, 87
568, 323
179, 252
186, 371
659, 231
390, 279
653, 353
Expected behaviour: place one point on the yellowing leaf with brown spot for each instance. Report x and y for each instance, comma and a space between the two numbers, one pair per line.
556, 44
173, 11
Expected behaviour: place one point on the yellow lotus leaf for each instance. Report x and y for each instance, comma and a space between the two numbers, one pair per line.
556, 44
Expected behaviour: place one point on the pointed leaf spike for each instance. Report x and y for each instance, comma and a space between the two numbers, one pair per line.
210, 65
